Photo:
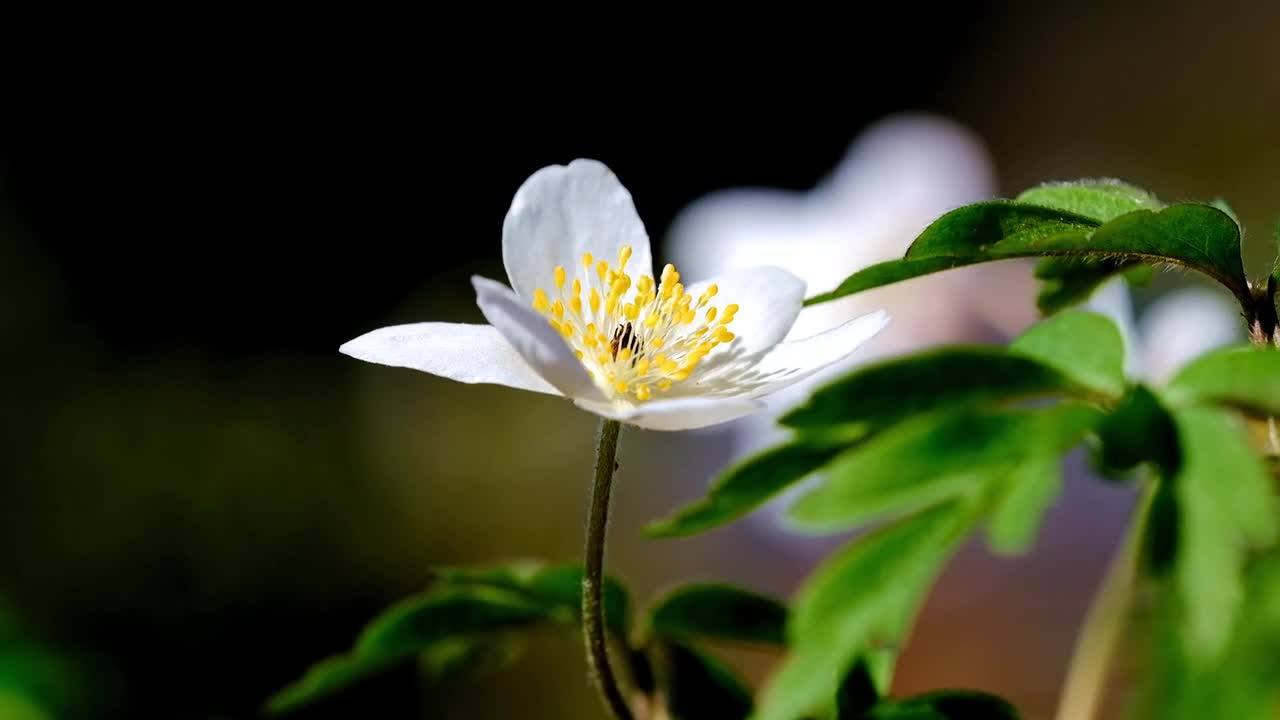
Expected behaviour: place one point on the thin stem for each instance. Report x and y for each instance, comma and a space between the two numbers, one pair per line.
593, 628
1095, 649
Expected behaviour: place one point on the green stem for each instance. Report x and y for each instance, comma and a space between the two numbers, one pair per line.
593, 628
1082, 692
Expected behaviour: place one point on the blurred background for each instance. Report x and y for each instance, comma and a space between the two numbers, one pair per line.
201, 496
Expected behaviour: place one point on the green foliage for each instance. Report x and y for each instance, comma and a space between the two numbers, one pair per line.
1244, 683
1139, 430
1021, 499
746, 486
459, 622
1225, 506
1244, 377
936, 457
859, 602
1100, 200
719, 612
1084, 346
916, 406
1068, 281
887, 392
1194, 236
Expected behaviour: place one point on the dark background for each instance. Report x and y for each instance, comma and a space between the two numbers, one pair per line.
202, 497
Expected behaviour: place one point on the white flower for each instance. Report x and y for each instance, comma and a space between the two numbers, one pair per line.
586, 317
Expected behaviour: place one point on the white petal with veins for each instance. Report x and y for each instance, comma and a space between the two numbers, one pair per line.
466, 353
564, 211
536, 341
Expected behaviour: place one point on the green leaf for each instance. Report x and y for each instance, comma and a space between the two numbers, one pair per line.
859, 601
946, 705
1101, 200
1070, 281
746, 486
936, 457
1084, 346
697, 686
1245, 683
1246, 377
1194, 236
1139, 430
1022, 498
459, 622
557, 588
1225, 506
411, 626
886, 392
719, 612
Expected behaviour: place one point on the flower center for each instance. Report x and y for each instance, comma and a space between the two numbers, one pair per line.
634, 338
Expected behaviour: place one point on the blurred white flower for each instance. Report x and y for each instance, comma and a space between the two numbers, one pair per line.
616, 339
1175, 328
899, 175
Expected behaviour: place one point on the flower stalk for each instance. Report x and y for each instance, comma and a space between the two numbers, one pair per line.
593, 627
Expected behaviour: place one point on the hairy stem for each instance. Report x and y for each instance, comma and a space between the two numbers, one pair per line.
1082, 692
593, 628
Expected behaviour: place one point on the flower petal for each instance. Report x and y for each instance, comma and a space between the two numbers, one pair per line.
564, 211
684, 413
768, 299
534, 339
790, 362
465, 353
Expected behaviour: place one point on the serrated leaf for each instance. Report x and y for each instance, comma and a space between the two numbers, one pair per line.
1022, 498
859, 600
1191, 235
1070, 281
1246, 377
697, 686
1139, 430
1225, 506
946, 705
933, 458
1084, 346
745, 487
719, 612
1101, 200
886, 392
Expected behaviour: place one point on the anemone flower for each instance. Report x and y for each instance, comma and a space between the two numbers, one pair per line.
586, 318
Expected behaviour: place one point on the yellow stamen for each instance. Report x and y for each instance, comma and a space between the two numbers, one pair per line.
559, 276
539, 300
